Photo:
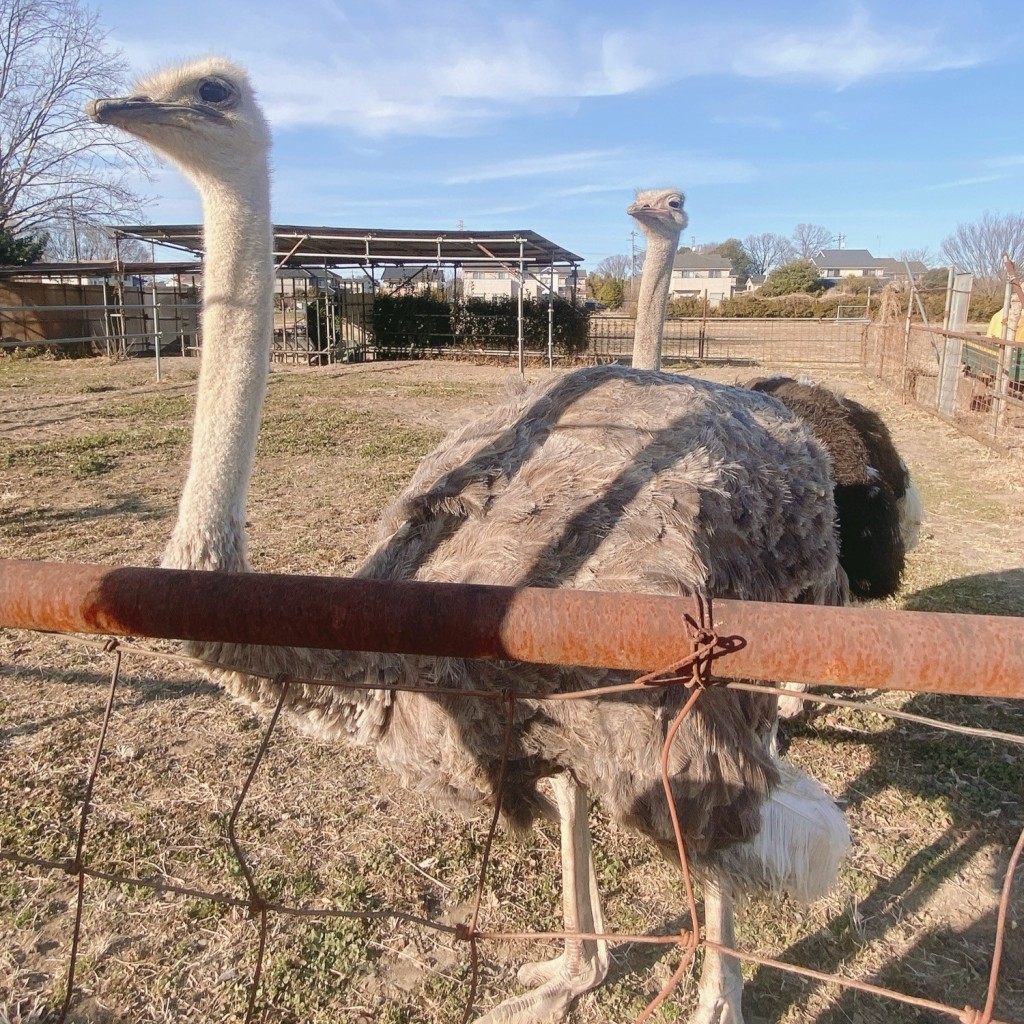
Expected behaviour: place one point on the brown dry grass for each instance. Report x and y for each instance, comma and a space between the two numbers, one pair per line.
91, 459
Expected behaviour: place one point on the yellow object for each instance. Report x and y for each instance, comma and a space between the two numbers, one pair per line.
995, 327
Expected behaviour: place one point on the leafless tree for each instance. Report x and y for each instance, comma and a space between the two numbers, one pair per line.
74, 241
809, 238
923, 255
767, 251
54, 164
978, 248
619, 266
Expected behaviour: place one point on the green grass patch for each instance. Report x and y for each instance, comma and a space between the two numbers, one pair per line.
400, 444
157, 408
91, 455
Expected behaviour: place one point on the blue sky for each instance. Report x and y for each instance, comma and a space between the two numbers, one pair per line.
887, 123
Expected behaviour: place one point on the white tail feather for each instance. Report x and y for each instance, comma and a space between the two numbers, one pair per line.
803, 837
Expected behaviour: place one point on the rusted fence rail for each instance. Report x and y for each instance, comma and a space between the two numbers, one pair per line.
980, 655
957, 654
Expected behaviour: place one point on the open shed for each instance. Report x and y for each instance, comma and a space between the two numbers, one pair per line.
317, 251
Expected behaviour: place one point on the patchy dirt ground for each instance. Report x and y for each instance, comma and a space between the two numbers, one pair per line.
92, 456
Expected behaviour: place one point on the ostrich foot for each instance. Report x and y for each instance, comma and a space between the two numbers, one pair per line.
722, 1010
549, 1002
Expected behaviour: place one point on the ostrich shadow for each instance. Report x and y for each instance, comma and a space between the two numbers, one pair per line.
975, 785
144, 690
987, 593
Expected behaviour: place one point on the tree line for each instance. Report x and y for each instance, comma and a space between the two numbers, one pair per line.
63, 179
785, 261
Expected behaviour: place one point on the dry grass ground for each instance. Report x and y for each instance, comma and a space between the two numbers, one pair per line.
92, 456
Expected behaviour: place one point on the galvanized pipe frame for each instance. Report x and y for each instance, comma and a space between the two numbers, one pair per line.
972, 655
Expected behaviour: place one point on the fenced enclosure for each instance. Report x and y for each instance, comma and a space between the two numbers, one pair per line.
547, 627
117, 315
935, 815
798, 342
974, 382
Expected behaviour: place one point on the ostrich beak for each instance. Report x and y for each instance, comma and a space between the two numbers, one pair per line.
645, 210
119, 109
125, 111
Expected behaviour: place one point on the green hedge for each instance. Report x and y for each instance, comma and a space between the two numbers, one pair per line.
983, 304
410, 326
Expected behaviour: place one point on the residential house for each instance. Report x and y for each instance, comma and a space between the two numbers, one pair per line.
695, 274
895, 270
411, 280
497, 282
562, 282
838, 263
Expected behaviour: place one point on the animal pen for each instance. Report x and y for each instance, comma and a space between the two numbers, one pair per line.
323, 317
674, 641
320, 316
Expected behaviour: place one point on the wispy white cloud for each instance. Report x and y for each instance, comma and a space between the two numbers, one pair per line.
399, 69
982, 179
843, 54
555, 163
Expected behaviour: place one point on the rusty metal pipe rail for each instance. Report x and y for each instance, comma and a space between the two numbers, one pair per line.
980, 655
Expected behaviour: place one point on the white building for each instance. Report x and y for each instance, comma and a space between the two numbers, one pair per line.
694, 274
501, 283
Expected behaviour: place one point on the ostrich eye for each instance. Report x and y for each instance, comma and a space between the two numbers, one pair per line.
213, 91
674, 203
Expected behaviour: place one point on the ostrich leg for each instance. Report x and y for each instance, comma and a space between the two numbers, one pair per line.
720, 991
583, 963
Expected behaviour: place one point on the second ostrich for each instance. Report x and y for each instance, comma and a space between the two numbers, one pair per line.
660, 214
878, 509
606, 478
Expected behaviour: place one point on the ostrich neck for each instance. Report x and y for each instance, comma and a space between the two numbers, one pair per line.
237, 321
238, 311
650, 309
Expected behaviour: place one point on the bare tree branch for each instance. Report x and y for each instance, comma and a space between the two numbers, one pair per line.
978, 248
54, 163
809, 238
767, 251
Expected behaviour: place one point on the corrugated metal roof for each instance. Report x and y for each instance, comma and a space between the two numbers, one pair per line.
303, 246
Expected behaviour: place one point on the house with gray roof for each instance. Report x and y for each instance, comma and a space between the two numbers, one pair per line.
836, 263
695, 274
839, 263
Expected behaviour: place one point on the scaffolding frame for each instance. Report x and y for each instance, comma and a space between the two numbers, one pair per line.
322, 250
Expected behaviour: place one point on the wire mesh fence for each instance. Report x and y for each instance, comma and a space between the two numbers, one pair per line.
701, 649
974, 382
778, 341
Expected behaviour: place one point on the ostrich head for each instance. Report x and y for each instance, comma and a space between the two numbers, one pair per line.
660, 210
202, 115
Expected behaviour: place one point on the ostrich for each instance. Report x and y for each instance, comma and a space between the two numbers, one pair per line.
606, 478
878, 509
660, 214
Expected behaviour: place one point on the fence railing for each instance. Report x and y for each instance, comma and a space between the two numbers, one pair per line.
974, 382
800, 342
874, 648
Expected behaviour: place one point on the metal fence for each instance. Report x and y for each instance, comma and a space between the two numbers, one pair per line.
810, 343
973, 382
963, 654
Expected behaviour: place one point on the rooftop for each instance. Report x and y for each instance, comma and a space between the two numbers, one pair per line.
298, 245
700, 261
